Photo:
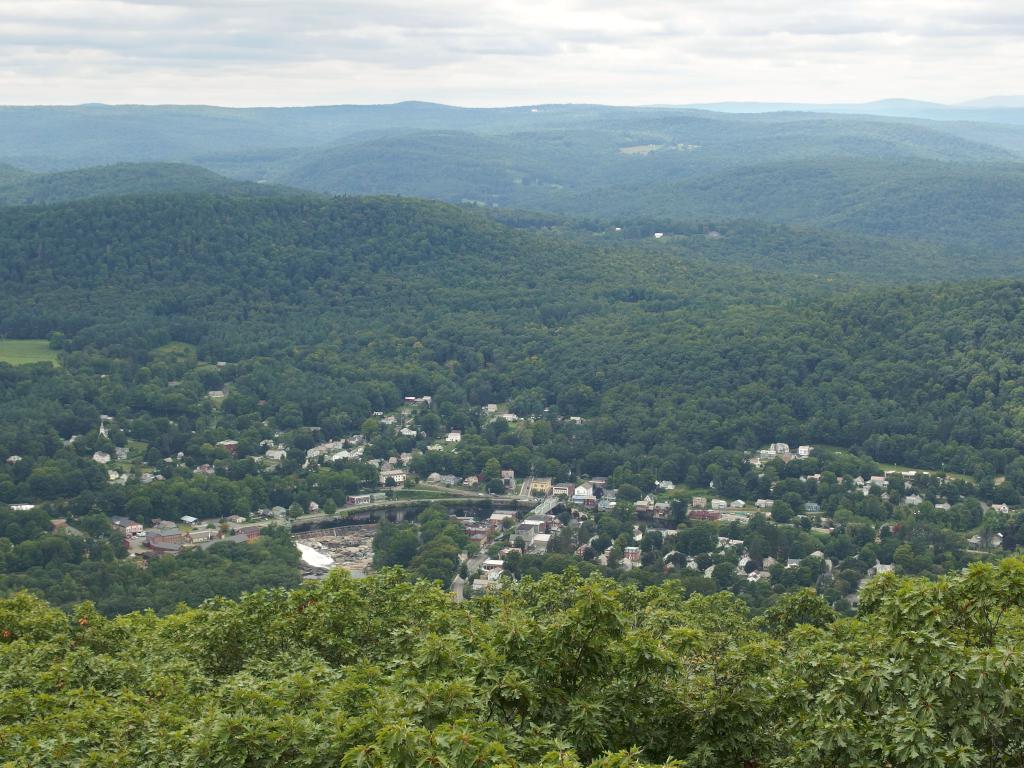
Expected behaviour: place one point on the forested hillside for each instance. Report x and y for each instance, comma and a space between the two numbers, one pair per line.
946, 184
557, 672
60, 138
23, 188
973, 207
664, 352
849, 187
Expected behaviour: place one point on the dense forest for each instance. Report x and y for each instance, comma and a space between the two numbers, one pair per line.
560, 671
22, 188
664, 353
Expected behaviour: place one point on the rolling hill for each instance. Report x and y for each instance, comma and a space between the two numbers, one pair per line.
979, 207
952, 184
633, 334
870, 184
23, 188
60, 138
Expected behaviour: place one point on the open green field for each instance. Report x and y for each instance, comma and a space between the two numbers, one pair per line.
24, 351
900, 468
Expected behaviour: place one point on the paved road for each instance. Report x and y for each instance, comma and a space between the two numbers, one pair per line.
474, 563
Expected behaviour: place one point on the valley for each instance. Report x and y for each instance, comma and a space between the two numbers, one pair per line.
517, 409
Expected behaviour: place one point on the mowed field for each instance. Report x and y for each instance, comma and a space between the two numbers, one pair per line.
24, 351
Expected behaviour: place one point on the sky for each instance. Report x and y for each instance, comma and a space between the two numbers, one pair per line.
503, 52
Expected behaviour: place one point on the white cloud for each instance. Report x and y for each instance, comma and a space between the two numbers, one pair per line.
484, 52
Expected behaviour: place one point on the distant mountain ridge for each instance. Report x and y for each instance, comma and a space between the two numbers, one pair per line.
1008, 110
63, 138
948, 182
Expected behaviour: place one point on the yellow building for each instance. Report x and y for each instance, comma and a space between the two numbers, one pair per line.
541, 485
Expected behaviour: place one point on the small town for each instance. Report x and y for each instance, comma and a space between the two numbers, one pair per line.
799, 530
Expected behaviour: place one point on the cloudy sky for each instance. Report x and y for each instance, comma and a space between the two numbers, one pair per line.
493, 52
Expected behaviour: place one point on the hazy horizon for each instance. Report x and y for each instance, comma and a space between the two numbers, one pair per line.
983, 102
266, 53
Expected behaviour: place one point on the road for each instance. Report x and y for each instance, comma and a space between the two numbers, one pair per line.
473, 563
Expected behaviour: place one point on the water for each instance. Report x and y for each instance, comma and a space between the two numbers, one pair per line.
314, 558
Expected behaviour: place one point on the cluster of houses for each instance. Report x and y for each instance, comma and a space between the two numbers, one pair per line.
102, 457
508, 480
702, 508
780, 451
337, 450
492, 410
167, 537
534, 533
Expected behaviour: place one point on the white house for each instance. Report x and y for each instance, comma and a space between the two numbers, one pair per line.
880, 568
397, 476
583, 493
455, 436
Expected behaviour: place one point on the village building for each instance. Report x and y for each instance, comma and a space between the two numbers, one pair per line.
360, 499
541, 485
126, 526
564, 490
703, 514
396, 476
